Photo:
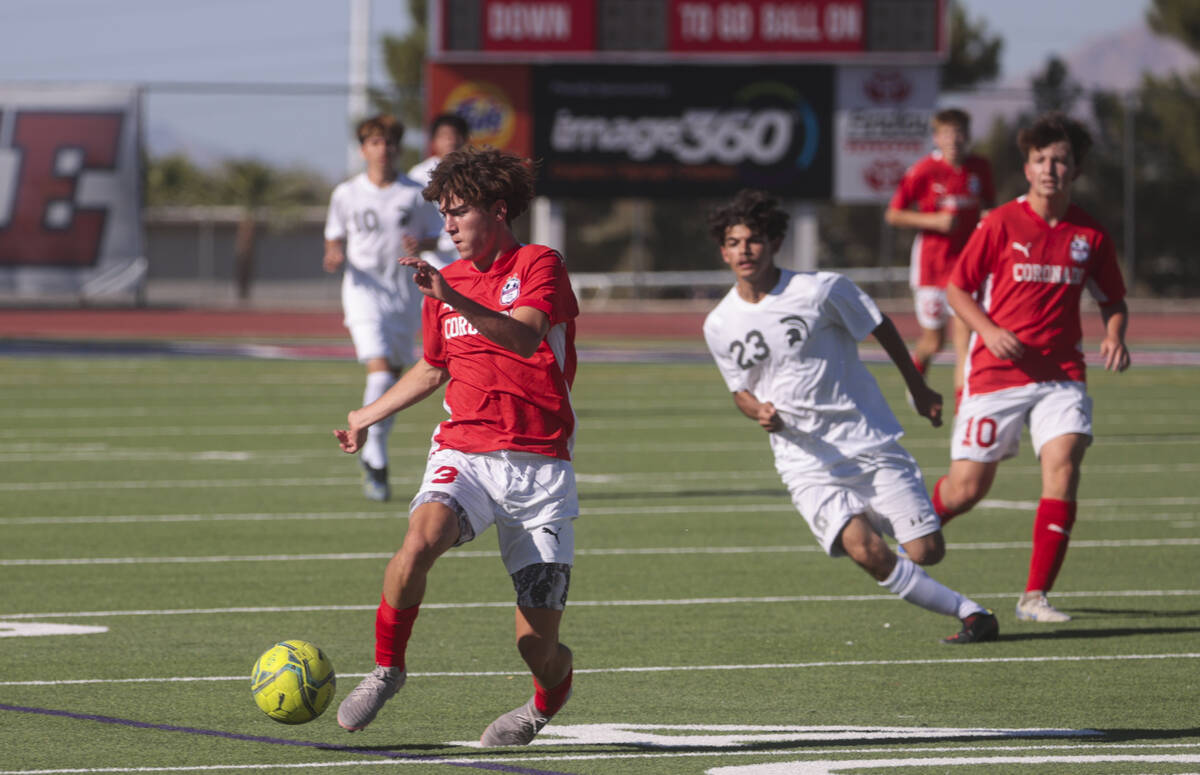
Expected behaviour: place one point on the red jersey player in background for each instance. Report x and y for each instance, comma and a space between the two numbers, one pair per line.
1028, 264
499, 328
949, 188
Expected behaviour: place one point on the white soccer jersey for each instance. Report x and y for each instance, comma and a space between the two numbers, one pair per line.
798, 349
446, 252
373, 221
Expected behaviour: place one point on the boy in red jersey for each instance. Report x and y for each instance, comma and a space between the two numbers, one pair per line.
1018, 285
499, 327
949, 188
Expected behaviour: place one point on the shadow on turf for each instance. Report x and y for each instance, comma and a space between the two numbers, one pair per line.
1096, 632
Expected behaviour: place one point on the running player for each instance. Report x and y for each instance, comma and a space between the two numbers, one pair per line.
374, 218
1028, 263
786, 344
499, 327
949, 189
447, 132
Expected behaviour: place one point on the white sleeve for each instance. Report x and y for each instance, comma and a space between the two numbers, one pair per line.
335, 220
734, 375
848, 305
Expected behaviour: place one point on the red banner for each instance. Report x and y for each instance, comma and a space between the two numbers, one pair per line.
766, 25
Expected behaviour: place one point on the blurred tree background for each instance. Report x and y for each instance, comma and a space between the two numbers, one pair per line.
1147, 203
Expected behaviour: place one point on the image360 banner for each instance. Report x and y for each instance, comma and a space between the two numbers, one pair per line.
688, 131
70, 201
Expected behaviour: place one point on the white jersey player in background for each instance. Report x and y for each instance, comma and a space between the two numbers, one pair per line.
786, 344
447, 132
375, 218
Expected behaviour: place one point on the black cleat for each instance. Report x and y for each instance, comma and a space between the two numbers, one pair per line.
977, 628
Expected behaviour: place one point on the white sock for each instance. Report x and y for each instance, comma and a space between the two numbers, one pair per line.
374, 452
910, 582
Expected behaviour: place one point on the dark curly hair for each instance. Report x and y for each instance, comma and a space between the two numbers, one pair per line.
757, 210
1051, 128
481, 176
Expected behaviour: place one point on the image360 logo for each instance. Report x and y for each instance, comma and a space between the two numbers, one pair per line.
52, 211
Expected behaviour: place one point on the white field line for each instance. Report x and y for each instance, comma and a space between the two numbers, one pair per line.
671, 668
769, 600
1185, 518
904, 760
1133, 543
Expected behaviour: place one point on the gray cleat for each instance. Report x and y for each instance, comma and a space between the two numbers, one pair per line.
365, 700
375, 483
517, 727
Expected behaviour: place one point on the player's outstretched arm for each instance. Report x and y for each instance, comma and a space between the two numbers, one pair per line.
926, 400
1113, 349
417, 384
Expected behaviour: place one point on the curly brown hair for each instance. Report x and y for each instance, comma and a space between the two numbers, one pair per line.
1054, 127
481, 176
757, 210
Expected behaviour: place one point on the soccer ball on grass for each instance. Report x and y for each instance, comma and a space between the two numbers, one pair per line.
293, 682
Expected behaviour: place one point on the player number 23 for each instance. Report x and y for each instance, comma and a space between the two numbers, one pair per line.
745, 359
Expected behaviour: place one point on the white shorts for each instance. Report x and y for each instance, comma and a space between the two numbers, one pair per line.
531, 499
931, 306
393, 339
886, 486
987, 427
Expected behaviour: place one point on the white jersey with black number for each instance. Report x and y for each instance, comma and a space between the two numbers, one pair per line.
798, 349
446, 252
372, 220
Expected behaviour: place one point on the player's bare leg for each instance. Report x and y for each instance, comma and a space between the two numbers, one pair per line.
550, 662
904, 578
432, 529
1061, 459
967, 482
928, 344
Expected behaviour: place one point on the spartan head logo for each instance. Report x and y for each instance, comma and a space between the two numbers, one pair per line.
797, 329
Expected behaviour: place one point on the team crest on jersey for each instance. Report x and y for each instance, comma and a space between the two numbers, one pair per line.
1080, 250
510, 291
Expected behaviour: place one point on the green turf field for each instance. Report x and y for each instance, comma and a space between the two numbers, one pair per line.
198, 510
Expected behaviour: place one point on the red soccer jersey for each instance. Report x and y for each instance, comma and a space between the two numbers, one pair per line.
497, 399
935, 186
1029, 277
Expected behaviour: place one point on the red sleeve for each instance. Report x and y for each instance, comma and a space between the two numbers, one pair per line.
545, 287
1107, 285
975, 261
431, 333
906, 192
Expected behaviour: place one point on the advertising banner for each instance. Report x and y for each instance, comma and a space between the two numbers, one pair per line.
494, 100
881, 128
688, 131
70, 200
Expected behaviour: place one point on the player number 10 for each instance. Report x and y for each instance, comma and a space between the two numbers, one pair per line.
984, 431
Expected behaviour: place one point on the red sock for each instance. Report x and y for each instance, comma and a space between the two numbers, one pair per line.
549, 701
1051, 533
392, 629
940, 508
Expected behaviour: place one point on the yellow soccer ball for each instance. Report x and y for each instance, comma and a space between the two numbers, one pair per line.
293, 682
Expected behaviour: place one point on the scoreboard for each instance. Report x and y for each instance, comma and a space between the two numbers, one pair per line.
812, 99
683, 30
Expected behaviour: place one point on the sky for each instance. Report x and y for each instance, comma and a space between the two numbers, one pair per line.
173, 46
